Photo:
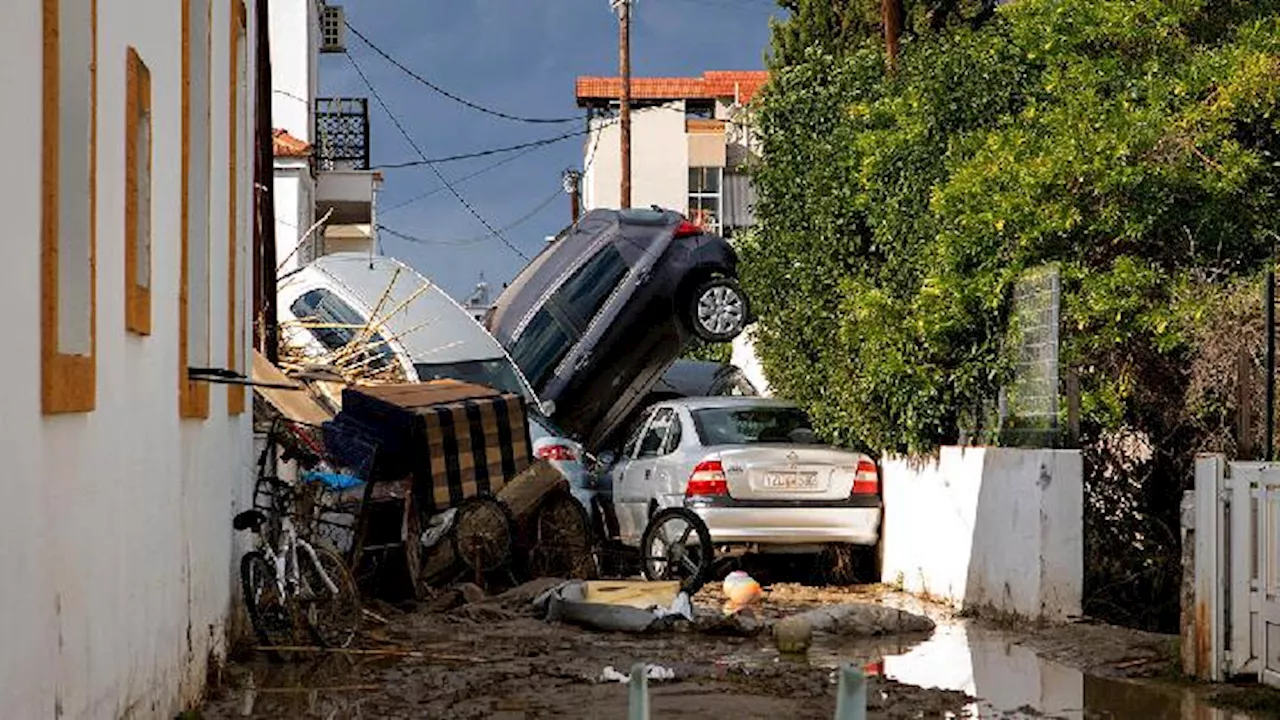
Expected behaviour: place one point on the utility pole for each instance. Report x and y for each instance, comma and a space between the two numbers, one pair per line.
623, 9
571, 179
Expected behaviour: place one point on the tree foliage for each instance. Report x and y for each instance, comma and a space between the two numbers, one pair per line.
1131, 141
1134, 143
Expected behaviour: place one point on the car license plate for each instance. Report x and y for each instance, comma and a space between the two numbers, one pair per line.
791, 481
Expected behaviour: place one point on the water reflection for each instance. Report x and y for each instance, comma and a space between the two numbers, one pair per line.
1012, 681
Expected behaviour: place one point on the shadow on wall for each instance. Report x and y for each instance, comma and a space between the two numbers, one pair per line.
988, 529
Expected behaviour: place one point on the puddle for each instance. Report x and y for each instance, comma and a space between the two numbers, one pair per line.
1012, 681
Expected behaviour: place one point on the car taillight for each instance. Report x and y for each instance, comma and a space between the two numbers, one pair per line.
707, 479
557, 453
865, 480
687, 229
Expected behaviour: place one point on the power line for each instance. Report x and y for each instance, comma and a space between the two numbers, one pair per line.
482, 153
464, 178
476, 238
458, 99
445, 181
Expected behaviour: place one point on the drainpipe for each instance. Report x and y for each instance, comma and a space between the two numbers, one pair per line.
266, 325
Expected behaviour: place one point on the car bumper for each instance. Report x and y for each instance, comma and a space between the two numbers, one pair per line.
790, 525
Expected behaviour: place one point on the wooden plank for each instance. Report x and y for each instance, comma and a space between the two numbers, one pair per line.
297, 405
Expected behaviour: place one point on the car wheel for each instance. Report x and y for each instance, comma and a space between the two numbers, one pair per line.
718, 310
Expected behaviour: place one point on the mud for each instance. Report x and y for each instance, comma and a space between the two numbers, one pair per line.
491, 659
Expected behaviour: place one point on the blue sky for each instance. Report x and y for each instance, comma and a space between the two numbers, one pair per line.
519, 57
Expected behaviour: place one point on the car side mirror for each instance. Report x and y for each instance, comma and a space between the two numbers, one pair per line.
608, 458
548, 407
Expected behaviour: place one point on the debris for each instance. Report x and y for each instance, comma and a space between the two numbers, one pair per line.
651, 672
741, 590
865, 620
568, 603
639, 594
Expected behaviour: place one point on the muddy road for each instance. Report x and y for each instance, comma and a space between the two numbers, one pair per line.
493, 659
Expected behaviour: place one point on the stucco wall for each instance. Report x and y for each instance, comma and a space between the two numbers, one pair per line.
116, 549
997, 528
659, 161
295, 39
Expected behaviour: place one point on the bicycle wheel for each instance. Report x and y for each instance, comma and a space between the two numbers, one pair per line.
676, 545
270, 614
332, 618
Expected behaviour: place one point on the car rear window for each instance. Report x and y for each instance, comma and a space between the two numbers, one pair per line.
586, 291
336, 324
541, 347
749, 425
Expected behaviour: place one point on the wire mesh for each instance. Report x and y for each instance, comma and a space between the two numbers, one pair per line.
1030, 403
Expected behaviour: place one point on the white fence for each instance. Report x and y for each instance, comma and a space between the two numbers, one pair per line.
1234, 626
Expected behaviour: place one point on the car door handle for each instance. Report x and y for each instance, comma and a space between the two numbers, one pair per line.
582, 361
647, 474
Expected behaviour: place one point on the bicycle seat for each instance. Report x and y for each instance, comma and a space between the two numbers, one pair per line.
249, 520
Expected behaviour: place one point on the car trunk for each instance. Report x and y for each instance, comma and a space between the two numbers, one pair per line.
788, 472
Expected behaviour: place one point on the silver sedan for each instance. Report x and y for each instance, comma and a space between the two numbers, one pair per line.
752, 469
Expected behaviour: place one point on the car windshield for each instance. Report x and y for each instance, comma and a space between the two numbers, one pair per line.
748, 425
496, 373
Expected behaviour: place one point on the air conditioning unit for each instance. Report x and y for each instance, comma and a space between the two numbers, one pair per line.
333, 29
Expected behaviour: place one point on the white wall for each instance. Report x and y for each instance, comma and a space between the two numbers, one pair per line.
295, 60
659, 160
744, 356
997, 528
295, 210
116, 547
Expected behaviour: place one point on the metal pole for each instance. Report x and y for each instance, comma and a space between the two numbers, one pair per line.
624, 102
851, 694
1269, 295
638, 700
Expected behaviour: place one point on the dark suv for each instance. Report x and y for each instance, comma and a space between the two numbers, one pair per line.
597, 318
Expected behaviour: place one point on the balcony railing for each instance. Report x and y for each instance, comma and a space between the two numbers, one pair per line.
342, 133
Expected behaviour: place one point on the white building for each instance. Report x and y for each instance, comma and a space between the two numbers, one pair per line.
321, 144
690, 143
128, 202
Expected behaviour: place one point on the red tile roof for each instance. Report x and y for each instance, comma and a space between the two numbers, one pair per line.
286, 145
742, 84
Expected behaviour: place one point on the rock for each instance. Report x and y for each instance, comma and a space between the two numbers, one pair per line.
865, 620
472, 593
793, 634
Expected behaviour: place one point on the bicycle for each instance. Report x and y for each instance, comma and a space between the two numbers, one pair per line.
296, 589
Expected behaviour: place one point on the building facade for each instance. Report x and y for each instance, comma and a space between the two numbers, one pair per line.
322, 170
129, 202
691, 143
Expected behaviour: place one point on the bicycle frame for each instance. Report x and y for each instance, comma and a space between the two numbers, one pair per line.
284, 560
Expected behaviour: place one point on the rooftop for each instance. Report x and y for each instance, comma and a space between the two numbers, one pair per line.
739, 84
285, 145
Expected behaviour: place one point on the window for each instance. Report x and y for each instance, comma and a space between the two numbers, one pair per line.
704, 197
633, 441
137, 195
586, 291
496, 373
673, 436
193, 293
238, 128
749, 425
540, 348
335, 324
652, 444
69, 204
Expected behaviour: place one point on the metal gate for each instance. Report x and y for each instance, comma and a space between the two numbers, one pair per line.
1237, 569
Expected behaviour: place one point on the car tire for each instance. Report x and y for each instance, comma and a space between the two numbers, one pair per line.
718, 310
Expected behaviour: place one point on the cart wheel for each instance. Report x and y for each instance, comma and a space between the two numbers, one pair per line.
676, 545
561, 538
482, 534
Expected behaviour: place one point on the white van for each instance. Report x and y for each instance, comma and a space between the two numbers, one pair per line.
420, 328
